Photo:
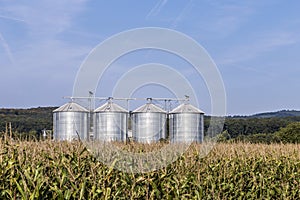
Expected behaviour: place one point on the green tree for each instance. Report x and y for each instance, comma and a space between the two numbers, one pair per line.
290, 134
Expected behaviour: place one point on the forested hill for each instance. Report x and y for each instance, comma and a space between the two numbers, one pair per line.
27, 120
282, 113
277, 114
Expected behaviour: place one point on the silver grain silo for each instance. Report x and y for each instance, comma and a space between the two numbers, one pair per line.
110, 122
70, 122
149, 123
186, 124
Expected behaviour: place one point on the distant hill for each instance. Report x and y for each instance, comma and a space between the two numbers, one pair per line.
26, 120
282, 113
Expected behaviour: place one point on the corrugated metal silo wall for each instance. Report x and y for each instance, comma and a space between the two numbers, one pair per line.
110, 126
70, 125
148, 127
186, 127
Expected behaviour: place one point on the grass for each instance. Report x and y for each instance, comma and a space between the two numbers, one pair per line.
63, 170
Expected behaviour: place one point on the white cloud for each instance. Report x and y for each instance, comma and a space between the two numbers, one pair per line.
181, 15
219, 20
42, 60
157, 8
44, 22
11, 18
254, 47
47, 17
7, 49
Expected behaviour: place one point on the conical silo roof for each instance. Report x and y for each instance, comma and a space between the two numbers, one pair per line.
149, 108
71, 107
110, 107
186, 108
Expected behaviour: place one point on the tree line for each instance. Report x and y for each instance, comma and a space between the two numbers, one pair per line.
253, 129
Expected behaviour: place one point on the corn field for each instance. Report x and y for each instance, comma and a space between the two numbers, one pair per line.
62, 170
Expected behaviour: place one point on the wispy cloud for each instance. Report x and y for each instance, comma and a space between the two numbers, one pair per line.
40, 50
256, 46
177, 20
12, 18
45, 17
156, 9
4, 42
226, 19
7, 49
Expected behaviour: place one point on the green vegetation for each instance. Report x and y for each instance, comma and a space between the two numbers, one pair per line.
259, 128
27, 120
235, 169
288, 134
61, 170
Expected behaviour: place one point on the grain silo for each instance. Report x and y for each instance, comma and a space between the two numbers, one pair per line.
149, 123
70, 122
110, 122
186, 124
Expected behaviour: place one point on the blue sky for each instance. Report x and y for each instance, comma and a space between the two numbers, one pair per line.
255, 45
